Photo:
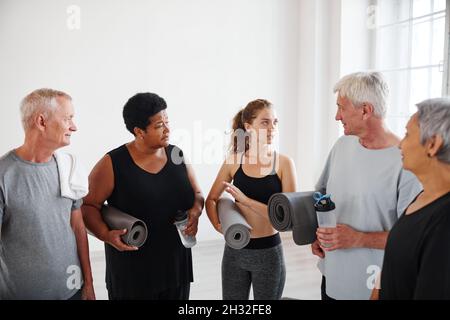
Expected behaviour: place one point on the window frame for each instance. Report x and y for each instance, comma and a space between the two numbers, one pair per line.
444, 63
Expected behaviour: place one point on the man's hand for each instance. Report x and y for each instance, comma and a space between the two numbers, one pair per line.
87, 293
114, 239
316, 250
341, 237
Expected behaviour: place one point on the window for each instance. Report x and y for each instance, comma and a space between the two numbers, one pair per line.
410, 49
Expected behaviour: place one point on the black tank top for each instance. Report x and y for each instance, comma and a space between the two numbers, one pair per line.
162, 262
259, 189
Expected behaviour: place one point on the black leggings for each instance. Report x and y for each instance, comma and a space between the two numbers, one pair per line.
323, 289
264, 269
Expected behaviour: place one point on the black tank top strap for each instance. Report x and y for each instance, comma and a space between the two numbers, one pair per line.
242, 160
274, 171
120, 159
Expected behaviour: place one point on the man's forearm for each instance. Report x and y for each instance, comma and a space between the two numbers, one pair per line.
83, 254
373, 240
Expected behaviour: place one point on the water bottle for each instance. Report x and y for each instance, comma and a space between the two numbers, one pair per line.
181, 220
326, 217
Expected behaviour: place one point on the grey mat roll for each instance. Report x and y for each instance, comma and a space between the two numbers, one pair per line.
116, 220
294, 211
235, 228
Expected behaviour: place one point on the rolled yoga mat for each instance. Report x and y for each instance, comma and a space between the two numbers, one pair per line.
235, 228
116, 220
294, 211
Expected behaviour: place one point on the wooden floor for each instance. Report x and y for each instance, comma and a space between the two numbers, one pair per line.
302, 276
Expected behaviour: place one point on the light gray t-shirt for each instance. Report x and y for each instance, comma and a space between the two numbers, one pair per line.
370, 190
38, 251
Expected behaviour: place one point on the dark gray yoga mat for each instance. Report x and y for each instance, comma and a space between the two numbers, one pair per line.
294, 211
116, 220
235, 228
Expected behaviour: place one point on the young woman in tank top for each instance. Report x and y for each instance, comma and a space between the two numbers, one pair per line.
252, 172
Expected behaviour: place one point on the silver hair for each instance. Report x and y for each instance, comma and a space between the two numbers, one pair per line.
361, 87
40, 101
434, 119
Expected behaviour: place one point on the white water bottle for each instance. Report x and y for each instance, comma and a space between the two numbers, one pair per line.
326, 217
181, 220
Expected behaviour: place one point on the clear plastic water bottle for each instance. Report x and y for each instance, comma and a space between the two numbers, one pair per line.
326, 217
181, 220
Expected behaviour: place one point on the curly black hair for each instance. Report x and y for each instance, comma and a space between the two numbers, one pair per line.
139, 108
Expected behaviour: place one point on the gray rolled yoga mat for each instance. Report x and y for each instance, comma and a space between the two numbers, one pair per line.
116, 220
294, 211
235, 228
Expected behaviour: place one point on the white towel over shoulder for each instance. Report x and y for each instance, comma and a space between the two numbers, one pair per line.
73, 176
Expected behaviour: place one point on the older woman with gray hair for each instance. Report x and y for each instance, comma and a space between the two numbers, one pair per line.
417, 257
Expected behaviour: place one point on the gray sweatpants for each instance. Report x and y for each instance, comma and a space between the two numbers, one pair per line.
264, 269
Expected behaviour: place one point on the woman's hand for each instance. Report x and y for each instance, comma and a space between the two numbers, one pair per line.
114, 239
192, 225
237, 194
218, 228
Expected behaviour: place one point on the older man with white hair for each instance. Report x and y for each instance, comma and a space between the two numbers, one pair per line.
366, 181
43, 242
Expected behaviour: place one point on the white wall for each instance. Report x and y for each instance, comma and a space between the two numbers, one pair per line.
319, 69
207, 58
357, 32
334, 41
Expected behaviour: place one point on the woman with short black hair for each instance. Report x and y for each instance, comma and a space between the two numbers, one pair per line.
146, 179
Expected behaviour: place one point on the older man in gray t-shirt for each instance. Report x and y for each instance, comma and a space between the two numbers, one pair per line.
43, 242
370, 194
39, 244
366, 181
